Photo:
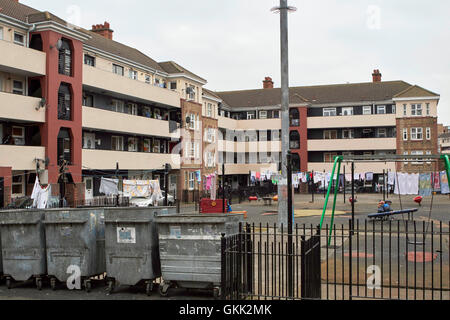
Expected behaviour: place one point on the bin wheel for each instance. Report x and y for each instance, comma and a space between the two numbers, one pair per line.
39, 284
149, 288
8, 283
110, 288
87, 285
164, 289
53, 283
216, 293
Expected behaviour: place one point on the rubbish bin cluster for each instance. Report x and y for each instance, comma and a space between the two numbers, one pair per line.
119, 246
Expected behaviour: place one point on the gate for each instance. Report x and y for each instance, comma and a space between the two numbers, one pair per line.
310, 267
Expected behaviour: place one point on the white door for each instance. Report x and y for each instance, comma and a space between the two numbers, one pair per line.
89, 188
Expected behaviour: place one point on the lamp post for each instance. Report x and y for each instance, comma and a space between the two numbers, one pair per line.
283, 9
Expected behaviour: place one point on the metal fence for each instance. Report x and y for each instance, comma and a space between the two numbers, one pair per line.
395, 260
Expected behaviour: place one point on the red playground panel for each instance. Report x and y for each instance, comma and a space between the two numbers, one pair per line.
212, 206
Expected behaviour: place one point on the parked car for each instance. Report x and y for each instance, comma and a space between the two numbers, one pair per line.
147, 201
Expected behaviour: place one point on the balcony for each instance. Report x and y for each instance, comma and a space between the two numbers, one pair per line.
100, 119
374, 120
245, 168
360, 167
254, 124
113, 83
106, 160
18, 107
254, 146
20, 157
21, 60
352, 144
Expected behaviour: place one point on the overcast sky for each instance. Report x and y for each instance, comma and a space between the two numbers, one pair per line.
234, 44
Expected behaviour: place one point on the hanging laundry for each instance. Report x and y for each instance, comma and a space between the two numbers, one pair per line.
36, 190
425, 184
208, 182
252, 176
213, 186
257, 176
341, 180
295, 180
356, 176
444, 183
40, 196
369, 176
198, 175
435, 181
401, 182
348, 177
391, 178
109, 186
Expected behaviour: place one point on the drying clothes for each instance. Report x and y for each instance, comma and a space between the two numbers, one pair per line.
356, 176
444, 183
252, 176
213, 186
401, 183
258, 176
407, 183
208, 182
413, 183
348, 177
369, 176
108, 186
36, 189
198, 175
391, 178
341, 180
295, 180
40, 199
435, 181
425, 184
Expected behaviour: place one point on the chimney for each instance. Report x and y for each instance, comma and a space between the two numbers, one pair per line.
103, 30
376, 76
268, 83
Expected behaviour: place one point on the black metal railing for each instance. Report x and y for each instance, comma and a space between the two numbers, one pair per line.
396, 260
106, 201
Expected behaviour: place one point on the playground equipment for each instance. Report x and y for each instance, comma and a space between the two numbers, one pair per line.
374, 158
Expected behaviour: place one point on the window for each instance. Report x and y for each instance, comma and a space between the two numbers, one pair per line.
347, 111
89, 141
405, 134
133, 109
64, 102
132, 74
173, 85
156, 145
133, 144
18, 87
428, 133
147, 112
428, 153
209, 110
416, 109
417, 153
263, 114
18, 185
347, 134
117, 143
404, 109
367, 110
118, 69
19, 38
416, 133
88, 100
329, 112
157, 114
64, 146
210, 135
89, 60
191, 180
381, 133
250, 115
65, 58
210, 159
330, 134
192, 121
381, 109
1, 33
276, 114
190, 92
405, 153
428, 109
18, 135
329, 156
118, 105
147, 145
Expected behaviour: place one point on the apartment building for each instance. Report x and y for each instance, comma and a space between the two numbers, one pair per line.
76, 99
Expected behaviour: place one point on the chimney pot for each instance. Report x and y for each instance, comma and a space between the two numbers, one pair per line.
103, 29
376, 75
267, 83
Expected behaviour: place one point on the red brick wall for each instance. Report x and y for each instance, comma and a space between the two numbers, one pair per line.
6, 173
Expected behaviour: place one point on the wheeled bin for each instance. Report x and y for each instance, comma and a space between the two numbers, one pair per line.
23, 246
75, 241
132, 252
190, 249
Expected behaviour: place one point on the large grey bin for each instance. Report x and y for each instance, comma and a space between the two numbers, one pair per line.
132, 252
190, 249
75, 238
23, 245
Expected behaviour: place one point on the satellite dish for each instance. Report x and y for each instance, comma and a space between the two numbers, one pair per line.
59, 44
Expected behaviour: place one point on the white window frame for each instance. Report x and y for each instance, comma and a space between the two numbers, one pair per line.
117, 67
89, 137
405, 153
148, 79
132, 74
18, 42
250, 115
394, 109
367, 110
328, 134
156, 146
428, 109
417, 134
209, 109
21, 183
1, 33
263, 114
405, 109
417, 153
381, 107
118, 105
405, 134
416, 110
350, 134
20, 138
119, 143
329, 112
133, 143
428, 133
132, 108
428, 153
381, 135
348, 110
191, 180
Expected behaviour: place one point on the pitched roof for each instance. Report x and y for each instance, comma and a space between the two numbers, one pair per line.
321, 94
415, 91
210, 93
172, 67
16, 10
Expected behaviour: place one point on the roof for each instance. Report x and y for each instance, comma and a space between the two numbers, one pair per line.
210, 93
16, 10
321, 94
444, 135
415, 91
172, 67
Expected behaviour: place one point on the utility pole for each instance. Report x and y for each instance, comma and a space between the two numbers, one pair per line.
283, 9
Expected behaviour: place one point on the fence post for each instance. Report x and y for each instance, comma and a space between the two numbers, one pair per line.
350, 274
249, 248
223, 243
302, 267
